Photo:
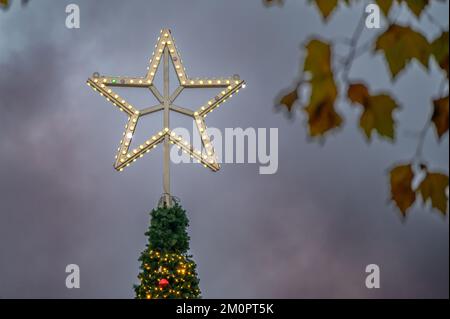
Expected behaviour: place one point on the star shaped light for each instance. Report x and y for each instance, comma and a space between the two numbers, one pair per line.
165, 49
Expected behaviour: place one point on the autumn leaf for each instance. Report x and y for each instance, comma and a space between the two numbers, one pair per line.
385, 6
401, 45
289, 99
439, 50
401, 187
358, 93
440, 116
416, 6
4, 3
326, 7
322, 116
433, 188
273, 2
377, 114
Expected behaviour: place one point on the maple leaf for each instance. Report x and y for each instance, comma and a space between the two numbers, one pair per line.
322, 116
402, 194
401, 45
377, 114
439, 50
326, 7
385, 6
440, 116
433, 188
416, 6
289, 99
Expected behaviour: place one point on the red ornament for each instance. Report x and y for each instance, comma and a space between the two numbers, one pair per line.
163, 283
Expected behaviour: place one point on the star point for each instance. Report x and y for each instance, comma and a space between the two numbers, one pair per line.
165, 48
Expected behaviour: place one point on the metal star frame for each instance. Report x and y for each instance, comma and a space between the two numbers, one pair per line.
165, 50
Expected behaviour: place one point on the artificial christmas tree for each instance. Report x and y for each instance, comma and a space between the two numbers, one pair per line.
167, 271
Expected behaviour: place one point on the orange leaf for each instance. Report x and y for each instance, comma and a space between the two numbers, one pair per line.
289, 99
401, 190
440, 116
358, 93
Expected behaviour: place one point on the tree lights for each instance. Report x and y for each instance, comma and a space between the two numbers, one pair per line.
167, 276
167, 272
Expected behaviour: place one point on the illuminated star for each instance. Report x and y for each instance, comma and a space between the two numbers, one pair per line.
165, 49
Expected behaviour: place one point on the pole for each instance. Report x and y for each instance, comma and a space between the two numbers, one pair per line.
166, 174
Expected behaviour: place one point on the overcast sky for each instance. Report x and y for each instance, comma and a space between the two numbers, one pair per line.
307, 231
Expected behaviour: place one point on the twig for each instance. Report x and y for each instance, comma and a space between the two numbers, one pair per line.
353, 47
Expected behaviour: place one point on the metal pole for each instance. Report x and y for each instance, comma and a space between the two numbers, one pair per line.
166, 176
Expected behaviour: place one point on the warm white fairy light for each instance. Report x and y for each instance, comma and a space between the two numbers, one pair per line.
125, 157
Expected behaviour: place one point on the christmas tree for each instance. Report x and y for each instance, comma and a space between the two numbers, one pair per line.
167, 271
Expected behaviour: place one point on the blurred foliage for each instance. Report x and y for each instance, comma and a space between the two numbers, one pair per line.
400, 45
5, 4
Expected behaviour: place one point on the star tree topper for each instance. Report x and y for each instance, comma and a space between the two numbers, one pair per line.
165, 50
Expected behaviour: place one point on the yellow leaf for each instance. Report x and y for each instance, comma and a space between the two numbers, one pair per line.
326, 7
402, 44
322, 116
401, 190
416, 6
377, 114
289, 99
433, 188
439, 49
440, 116
4, 2
385, 6
318, 59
